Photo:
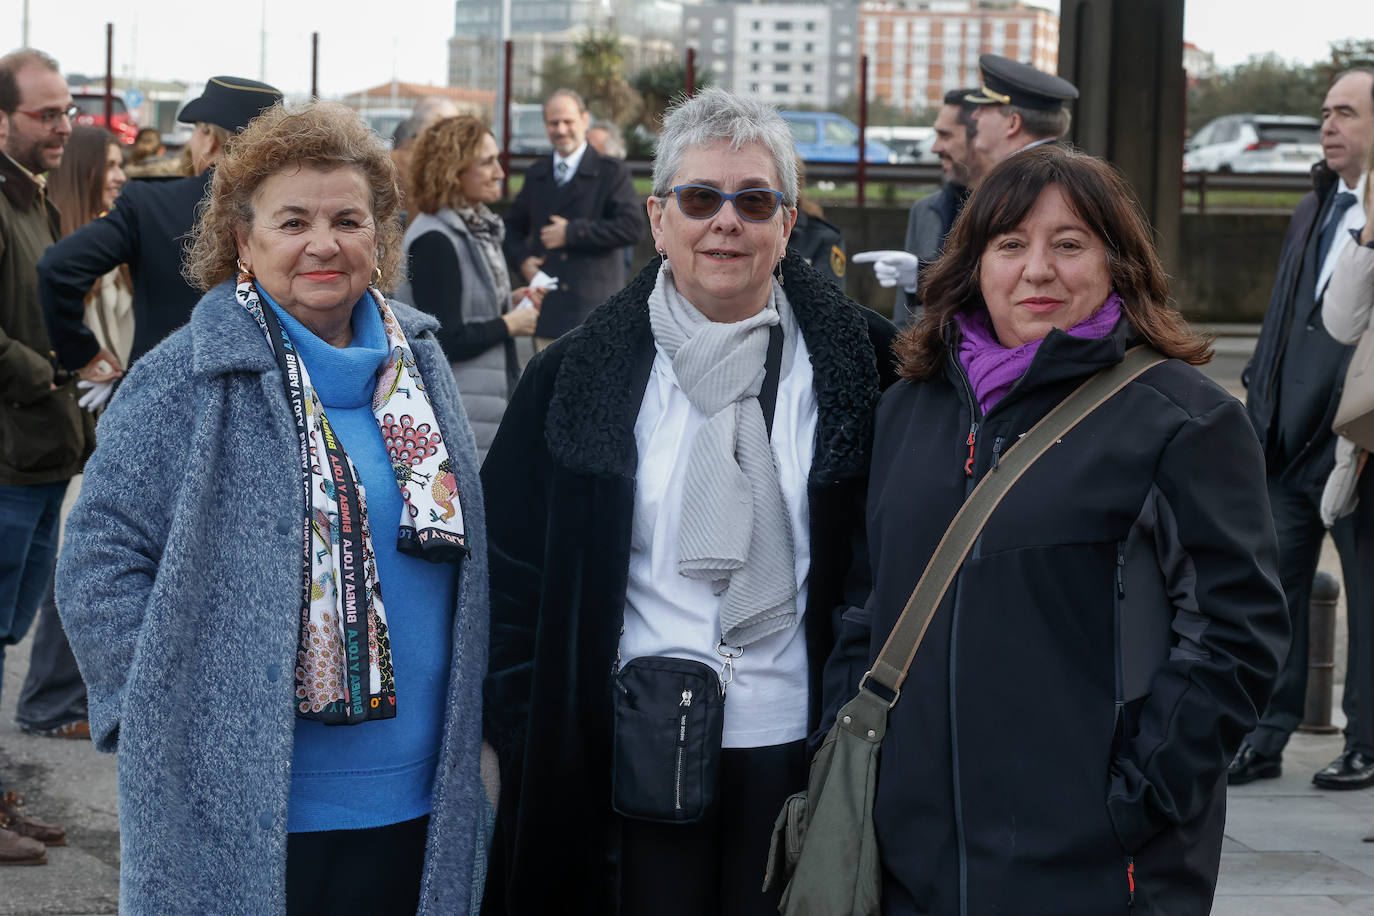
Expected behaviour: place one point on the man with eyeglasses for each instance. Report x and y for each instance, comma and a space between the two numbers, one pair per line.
44, 435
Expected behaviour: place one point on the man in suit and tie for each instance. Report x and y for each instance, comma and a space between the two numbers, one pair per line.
575, 213
1293, 386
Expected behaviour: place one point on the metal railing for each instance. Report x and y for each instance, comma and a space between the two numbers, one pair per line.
1203, 182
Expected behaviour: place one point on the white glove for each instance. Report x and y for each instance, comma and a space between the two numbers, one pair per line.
892, 268
97, 393
540, 280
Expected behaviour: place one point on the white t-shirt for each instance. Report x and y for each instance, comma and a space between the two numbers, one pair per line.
668, 614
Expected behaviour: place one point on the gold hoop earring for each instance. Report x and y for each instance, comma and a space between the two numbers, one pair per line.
243, 268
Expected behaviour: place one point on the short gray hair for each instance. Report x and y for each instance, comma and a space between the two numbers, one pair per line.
714, 115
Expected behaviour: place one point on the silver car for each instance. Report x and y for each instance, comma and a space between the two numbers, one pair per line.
1255, 143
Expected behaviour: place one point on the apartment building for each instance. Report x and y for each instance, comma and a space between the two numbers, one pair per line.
787, 53
919, 50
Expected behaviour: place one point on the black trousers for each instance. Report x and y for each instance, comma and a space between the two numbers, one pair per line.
375, 871
1298, 524
714, 867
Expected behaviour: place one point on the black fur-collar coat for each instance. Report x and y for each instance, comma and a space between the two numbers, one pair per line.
559, 481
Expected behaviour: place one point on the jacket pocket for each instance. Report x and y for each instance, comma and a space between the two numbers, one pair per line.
45, 435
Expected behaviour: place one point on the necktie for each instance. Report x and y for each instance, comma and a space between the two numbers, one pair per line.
560, 174
1343, 201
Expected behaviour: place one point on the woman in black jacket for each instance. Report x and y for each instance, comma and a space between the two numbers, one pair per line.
1061, 742
605, 481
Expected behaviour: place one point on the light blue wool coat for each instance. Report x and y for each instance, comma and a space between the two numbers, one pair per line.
179, 584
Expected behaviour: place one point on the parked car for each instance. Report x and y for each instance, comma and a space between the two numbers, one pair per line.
90, 103
1255, 143
909, 145
822, 136
527, 134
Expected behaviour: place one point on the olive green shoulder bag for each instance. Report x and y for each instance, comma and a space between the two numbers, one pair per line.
824, 844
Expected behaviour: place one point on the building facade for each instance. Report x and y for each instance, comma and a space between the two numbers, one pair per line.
787, 53
919, 50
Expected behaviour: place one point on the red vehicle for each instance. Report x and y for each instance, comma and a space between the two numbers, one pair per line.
91, 103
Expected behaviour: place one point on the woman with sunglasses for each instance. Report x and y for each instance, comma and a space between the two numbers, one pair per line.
673, 485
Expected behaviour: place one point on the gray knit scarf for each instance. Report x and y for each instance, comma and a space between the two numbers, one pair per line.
488, 231
735, 530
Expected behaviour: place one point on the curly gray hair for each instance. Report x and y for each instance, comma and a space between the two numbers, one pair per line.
713, 115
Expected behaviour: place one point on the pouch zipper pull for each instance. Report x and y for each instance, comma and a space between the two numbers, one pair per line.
686, 697
685, 705
972, 437
1130, 881
996, 451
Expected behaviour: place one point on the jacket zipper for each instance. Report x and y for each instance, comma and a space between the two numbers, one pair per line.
686, 707
1130, 881
997, 451
1119, 604
956, 598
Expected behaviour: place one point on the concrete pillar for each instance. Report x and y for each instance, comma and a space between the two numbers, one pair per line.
1126, 58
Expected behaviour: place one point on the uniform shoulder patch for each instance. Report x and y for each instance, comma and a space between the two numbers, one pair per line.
837, 260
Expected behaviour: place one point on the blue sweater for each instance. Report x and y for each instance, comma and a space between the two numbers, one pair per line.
380, 772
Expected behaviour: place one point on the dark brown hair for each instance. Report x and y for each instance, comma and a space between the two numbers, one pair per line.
1102, 199
77, 186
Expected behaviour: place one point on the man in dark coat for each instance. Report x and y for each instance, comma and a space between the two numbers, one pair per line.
819, 242
146, 229
1293, 386
560, 560
44, 436
576, 212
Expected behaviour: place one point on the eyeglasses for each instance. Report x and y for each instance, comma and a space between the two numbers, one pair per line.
757, 205
49, 117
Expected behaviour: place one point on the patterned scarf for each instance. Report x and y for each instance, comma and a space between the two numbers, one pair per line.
488, 231
344, 671
735, 529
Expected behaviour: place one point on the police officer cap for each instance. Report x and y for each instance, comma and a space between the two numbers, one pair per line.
1007, 82
231, 102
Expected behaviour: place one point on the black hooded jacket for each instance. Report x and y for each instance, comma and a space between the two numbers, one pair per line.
1060, 744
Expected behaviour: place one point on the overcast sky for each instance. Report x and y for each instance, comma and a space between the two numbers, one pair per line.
363, 44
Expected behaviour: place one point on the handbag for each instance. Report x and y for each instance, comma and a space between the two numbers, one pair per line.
824, 845
669, 719
1355, 413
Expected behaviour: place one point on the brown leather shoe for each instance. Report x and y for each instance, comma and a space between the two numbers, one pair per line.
80, 730
15, 821
20, 850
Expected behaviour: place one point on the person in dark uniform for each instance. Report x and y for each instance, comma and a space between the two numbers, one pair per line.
145, 229
820, 242
1017, 108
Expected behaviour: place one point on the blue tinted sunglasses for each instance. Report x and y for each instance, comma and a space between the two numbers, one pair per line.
757, 205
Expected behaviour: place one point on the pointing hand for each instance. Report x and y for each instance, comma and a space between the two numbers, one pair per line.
892, 268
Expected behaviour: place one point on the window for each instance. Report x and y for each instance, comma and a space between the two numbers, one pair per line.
755, 25
782, 46
807, 67
782, 68
717, 66
811, 26
721, 24
784, 25
718, 45
754, 67
838, 134
754, 46
842, 69
844, 47
693, 24
809, 47
781, 88
804, 131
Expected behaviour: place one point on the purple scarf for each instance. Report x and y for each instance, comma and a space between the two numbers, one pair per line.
992, 368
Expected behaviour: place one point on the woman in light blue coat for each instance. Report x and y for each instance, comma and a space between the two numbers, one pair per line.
290, 675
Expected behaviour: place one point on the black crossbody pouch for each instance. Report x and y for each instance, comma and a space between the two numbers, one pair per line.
669, 719
670, 712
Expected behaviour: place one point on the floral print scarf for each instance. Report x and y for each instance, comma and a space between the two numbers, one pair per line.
344, 672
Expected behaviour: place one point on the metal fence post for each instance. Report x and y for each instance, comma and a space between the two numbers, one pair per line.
1321, 655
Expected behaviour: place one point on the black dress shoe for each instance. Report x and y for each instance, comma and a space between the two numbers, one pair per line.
1250, 765
1351, 770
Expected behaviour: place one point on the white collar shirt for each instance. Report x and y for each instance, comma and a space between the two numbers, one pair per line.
1353, 218
573, 161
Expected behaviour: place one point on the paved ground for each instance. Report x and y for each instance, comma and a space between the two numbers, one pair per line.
1290, 850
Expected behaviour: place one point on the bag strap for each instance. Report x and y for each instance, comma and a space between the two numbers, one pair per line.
897, 653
